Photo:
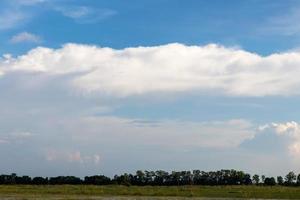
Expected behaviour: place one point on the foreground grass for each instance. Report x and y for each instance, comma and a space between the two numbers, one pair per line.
86, 192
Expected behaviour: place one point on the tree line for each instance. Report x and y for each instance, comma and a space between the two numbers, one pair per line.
161, 178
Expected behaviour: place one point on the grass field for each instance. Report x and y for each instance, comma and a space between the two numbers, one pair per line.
134, 192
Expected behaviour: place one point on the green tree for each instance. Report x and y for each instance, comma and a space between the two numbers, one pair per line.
298, 179
263, 177
279, 180
140, 177
255, 179
270, 181
290, 178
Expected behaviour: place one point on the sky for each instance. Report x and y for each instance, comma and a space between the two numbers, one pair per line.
107, 87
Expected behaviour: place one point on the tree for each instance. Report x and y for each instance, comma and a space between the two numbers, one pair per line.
290, 178
39, 181
255, 178
298, 179
247, 179
97, 180
139, 177
279, 180
123, 179
160, 177
23, 180
270, 181
263, 177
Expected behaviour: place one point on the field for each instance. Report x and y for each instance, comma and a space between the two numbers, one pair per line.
147, 192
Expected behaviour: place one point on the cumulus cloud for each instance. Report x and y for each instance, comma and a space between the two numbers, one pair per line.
166, 68
25, 37
290, 130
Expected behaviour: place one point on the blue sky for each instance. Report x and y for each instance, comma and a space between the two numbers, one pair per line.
104, 87
121, 24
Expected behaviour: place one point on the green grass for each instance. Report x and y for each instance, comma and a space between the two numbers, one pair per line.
89, 192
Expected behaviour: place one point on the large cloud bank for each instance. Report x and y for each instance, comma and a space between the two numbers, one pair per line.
167, 68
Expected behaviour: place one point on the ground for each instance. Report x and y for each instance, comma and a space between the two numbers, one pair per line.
148, 192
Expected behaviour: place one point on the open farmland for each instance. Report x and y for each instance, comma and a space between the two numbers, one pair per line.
147, 192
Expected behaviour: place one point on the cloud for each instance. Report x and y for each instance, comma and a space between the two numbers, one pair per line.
70, 134
85, 14
2, 141
288, 130
174, 68
15, 13
96, 159
27, 2
21, 135
164, 133
12, 18
286, 24
75, 157
25, 37
71, 156
15, 137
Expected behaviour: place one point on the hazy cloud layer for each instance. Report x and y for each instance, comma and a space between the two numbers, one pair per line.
44, 120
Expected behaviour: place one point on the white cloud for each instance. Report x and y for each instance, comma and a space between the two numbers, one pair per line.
25, 37
166, 68
290, 130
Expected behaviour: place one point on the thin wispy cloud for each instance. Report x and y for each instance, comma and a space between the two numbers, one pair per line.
25, 37
286, 24
12, 18
85, 14
19, 12
16, 137
72, 157
27, 2
15, 13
